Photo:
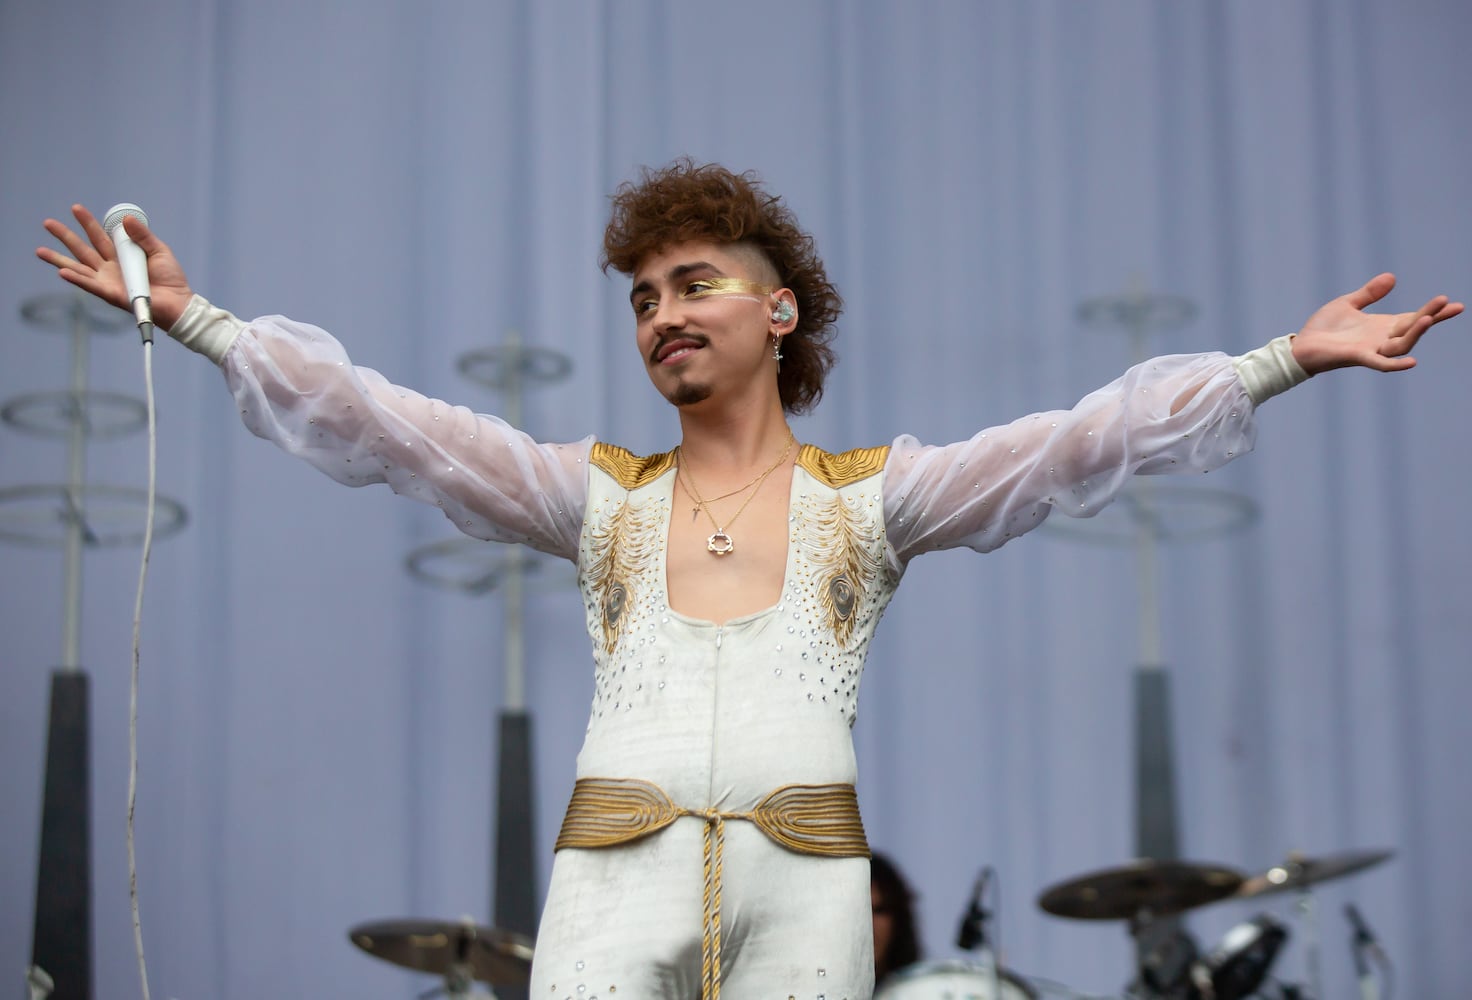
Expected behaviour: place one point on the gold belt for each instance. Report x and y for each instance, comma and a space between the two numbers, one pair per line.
808, 819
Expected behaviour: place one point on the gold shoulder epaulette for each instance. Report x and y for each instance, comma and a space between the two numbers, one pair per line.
841, 470
627, 469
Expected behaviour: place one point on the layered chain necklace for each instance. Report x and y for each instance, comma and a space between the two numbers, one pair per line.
720, 543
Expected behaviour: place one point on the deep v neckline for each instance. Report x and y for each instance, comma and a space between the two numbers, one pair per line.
664, 563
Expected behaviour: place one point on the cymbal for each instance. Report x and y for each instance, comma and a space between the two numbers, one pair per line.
501, 958
1300, 871
1141, 887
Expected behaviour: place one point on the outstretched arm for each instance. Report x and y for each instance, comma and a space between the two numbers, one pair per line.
1340, 334
93, 264
1172, 414
295, 385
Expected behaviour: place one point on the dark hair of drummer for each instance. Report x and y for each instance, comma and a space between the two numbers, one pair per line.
896, 943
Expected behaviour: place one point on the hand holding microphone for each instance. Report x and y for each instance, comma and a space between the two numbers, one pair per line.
123, 263
134, 264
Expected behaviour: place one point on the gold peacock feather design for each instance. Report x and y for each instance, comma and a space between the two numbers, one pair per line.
620, 544
846, 562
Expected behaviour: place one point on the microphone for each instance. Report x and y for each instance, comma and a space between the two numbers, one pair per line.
1363, 942
134, 263
972, 933
1364, 938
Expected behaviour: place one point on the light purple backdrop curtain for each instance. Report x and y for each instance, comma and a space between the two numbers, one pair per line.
426, 178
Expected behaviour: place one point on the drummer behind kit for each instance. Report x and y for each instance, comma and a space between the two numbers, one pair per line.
1143, 894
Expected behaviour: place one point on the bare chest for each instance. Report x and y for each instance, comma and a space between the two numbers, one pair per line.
727, 561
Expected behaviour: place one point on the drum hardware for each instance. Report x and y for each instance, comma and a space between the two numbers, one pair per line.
1148, 895
1300, 871
1363, 946
1141, 890
954, 980
1239, 964
1299, 874
1166, 957
972, 936
462, 952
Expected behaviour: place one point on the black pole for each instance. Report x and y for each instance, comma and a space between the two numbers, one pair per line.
1156, 830
1163, 947
515, 862
62, 941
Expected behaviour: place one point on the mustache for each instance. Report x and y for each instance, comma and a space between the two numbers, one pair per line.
670, 338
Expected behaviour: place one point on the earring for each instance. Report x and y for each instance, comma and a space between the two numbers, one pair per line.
777, 351
783, 312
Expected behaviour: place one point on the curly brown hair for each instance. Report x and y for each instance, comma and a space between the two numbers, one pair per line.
683, 202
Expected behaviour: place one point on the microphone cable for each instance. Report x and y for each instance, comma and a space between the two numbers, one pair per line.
137, 632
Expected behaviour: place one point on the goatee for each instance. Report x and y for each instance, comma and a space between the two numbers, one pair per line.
687, 394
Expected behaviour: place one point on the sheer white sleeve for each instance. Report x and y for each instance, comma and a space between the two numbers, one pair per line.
295, 386
1181, 413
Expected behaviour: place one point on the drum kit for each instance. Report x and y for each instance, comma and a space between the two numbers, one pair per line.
1150, 897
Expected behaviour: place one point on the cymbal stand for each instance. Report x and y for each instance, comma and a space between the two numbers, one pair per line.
1363, 947
1145, 516
460, 976
459, 985
1306, 910
1165, 953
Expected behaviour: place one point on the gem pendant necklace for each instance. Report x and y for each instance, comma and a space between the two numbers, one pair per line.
719, 542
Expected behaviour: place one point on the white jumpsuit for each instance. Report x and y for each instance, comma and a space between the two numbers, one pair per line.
718, 716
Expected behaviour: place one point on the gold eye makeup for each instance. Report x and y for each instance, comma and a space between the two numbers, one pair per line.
705, 287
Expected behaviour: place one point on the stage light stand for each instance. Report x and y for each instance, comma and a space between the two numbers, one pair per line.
476, 567
1145, 515
74, 516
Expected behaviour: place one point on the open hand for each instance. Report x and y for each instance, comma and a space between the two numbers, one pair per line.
1341, 334
94, 267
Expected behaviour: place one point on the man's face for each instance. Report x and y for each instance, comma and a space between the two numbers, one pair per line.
703, 315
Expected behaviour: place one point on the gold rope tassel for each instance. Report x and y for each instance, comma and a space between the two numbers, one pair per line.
808, 819
713, 852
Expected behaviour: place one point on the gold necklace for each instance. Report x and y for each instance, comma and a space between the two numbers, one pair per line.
695, 511
720, 543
